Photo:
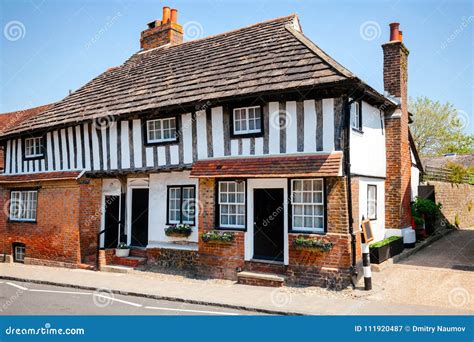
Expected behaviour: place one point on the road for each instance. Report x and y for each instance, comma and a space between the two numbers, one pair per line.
19, 298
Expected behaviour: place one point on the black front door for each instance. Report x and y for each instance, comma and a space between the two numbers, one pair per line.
112, 221
139, 217
268, 224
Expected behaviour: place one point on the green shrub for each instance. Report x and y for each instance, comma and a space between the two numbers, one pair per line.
384, 242
215, 235
425, 207
304, 242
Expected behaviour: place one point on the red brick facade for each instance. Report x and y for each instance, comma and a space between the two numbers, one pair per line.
397, 184
56, 237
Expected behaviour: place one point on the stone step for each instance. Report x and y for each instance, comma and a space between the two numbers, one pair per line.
117, 269
131, 261
265, 267
260, 279
138, 252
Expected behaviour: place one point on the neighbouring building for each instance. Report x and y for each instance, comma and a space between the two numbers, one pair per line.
256, 131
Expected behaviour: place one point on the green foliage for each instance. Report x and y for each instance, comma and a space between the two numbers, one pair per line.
384, 242
458, 173
303, 242
178, 229
438, 128
216, 235
123, 245
425, 208
418, 220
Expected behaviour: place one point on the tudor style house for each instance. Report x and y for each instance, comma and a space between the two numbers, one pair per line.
255, 132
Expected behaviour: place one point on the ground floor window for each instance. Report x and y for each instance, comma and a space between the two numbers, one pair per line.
231, 200
372, 202
307, 205
181, 204
23, 205
18, 252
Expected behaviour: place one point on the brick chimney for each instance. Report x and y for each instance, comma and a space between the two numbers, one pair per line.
162, 32
397, 183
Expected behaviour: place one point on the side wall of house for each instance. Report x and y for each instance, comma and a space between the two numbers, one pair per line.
368, 154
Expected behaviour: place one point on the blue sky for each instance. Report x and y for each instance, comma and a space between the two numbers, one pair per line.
49, 47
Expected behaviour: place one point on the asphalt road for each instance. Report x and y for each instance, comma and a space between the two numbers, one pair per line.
18, 298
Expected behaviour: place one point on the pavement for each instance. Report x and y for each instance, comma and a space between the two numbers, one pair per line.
415, 286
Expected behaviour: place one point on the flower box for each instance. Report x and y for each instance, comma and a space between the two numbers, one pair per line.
179, 230
385, 249
122, 250
218, 237
312, 245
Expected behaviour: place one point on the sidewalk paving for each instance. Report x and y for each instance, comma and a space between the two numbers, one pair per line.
286, 300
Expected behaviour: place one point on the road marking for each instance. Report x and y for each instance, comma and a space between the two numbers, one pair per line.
190, 310
65, 292
17, 286
118, 300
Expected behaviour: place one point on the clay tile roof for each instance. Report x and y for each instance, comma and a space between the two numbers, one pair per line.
320, 165
12, 120
269, 56
49, 176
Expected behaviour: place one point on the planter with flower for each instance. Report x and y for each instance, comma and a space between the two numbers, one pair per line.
216, 236
179, 230
122, 250
312, 245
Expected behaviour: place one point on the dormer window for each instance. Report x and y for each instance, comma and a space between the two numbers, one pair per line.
161, 130
247, 120
34, 147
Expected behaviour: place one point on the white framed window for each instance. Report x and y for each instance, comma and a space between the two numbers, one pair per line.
181, 204
33, 147
356, 116
23, 205
247, 120
372, 202
307, 204
231, 200
161, 130
19, 252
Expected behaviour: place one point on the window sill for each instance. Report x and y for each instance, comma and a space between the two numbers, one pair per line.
33, 157
357, 130
231, 229
164, 143
246, 135
307, 232
21, 221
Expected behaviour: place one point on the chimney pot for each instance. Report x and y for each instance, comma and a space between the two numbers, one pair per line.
174, 15
394, 32
400, 36
166, 15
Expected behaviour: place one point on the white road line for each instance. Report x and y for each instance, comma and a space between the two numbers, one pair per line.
65, 292
17, 286
189, 310
118, 300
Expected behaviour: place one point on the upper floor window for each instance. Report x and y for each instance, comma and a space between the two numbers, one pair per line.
307, 205
23, 205
372, 202
161, 130
181, 204
356, 116
33, 147
247, 120
231, 204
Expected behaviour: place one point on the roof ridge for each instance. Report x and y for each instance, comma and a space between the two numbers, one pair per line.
293, 15
28, 109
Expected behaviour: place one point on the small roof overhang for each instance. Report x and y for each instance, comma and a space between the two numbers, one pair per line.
39, 177
301, 165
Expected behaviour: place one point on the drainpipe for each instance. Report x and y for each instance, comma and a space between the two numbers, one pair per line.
347, 171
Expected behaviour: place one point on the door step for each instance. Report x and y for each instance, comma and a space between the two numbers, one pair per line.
138, 252
263, 266
260, 279
130, 261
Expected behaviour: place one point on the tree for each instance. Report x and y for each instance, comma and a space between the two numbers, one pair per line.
438, 128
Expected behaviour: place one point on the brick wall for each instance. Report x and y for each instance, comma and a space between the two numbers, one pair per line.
90, 213
217, 259
55, 239
457, 200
